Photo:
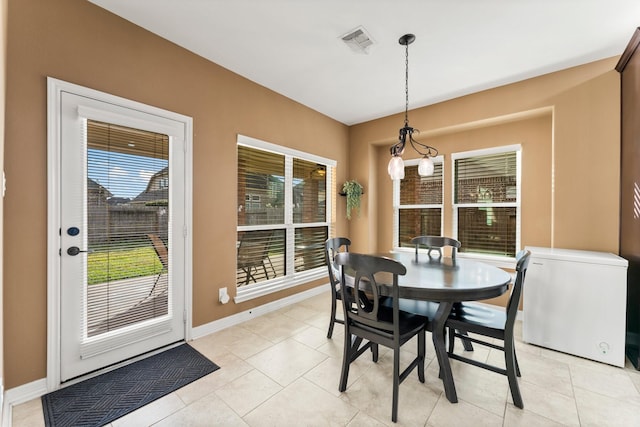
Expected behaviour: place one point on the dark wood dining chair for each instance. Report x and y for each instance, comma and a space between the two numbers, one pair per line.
332, 247
375, 322
492, 323
436, 243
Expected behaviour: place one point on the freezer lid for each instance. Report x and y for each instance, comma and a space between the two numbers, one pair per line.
574, 255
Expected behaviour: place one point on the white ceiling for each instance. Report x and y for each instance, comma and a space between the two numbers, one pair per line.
294, 47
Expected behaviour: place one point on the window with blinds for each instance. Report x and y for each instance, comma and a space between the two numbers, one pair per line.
419, 210
486, 201
283, 214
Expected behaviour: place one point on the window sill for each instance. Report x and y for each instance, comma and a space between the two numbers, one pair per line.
247, 293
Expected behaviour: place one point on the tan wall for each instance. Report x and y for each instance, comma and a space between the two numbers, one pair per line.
75, 41
568, 125
574, 138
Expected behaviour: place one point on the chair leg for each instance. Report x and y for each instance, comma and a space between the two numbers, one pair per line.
374, 352
272, 267
465, 342
332, 321
346, 360
510, 362
396, 384
153, 288
248, 275
421, 355
515, 357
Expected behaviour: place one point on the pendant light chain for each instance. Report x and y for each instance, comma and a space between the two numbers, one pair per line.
406, 85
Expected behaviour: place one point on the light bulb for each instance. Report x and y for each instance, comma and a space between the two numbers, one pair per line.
425, 166
396, 168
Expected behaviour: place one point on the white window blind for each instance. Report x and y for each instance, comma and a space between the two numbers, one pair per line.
419, 207
128, 238
486, 201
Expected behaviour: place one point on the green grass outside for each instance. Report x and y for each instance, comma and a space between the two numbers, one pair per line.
105, 266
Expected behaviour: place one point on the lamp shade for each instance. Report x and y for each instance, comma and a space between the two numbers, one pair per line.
396, 168
425, 166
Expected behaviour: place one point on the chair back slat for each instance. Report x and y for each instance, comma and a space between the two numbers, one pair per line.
436, 243
333, 247
254, 246
363, 304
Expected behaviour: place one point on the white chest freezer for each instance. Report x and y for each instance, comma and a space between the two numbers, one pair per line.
575, 302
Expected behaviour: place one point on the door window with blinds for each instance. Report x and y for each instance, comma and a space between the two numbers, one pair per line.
418, 206
127, 204
284, 215
486, 198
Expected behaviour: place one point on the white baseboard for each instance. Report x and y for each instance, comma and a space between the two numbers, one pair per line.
21, 394
235, 319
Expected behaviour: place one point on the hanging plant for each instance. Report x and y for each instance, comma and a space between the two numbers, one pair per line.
353, 190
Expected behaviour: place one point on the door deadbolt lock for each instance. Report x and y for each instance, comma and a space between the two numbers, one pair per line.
74, 250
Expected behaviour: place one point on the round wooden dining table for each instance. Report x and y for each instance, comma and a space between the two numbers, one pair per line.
447, 281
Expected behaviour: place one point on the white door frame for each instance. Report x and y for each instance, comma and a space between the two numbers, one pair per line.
55, 88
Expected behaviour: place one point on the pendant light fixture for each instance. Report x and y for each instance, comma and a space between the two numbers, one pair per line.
396, 164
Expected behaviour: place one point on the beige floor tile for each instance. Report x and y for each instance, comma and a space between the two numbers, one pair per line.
372, 394
312, 337
320, 302
516, 417
274, 327
286, 361
634, 376
613, 383
550, 373
550, 404
327, 374
482, 388
302, 404
208, 411
364, 420
321, 321
247, 392
300, 312
240, 341
446, 414
231, 367
600, 411
28, 414
151, 413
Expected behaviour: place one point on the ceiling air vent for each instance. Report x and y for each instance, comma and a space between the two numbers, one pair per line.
358, 40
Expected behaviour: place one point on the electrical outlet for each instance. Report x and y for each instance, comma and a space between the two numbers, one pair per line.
223, 296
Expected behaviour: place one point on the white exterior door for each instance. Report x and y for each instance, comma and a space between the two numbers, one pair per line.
122, 233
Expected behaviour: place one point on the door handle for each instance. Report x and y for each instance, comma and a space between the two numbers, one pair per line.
74, 250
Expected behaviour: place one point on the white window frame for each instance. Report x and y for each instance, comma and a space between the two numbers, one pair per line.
293, 278
397, 206
500, 261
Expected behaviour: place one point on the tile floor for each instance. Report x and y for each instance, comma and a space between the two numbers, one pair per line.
281, 370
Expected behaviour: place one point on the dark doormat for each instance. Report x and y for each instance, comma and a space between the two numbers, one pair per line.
102, 399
